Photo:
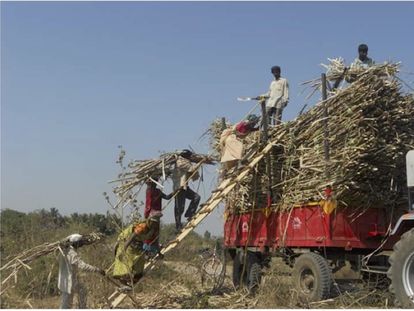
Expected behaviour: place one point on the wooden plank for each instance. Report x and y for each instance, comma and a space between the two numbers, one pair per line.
114, 296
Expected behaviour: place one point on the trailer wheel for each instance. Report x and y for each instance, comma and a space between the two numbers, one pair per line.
401, 271
254, 272
312, 277
238, 270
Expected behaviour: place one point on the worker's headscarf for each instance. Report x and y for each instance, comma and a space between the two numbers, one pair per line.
74, 238
149, 224
252, 119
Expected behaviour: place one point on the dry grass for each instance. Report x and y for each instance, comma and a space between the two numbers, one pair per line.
178, 285
277, 291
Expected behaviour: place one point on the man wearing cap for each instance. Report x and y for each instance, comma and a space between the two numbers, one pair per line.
69, 264
181, 173
129, 255
277, 97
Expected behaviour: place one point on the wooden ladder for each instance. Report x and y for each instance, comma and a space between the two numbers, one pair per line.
218, 195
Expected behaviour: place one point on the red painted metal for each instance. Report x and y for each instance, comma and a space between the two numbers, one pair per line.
306, 227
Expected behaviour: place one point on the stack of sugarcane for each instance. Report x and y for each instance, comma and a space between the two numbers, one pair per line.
371, 128
336, 69
23, 260
140, 170
130, 181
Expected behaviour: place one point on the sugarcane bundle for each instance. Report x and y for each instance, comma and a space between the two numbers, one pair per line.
23, 260
371, 128
337, 70
140, 170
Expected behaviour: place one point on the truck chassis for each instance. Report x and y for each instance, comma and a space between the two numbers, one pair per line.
316, 244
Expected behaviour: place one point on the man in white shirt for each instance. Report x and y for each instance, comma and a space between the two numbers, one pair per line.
277, 97
69, 264
362, 61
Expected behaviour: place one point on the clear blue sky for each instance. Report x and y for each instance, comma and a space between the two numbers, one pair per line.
79, 79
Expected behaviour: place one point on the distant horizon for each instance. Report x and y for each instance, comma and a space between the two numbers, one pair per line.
80, 78
98, 213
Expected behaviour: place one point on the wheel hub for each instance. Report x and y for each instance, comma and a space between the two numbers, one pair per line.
307, 280
408, 276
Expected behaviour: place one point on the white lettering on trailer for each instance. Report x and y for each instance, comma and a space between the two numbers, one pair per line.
296, 223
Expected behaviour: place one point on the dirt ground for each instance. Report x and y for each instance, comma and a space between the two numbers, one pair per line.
178, 285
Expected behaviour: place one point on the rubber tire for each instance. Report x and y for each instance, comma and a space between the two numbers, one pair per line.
254, 272
237, 272
322, 277
402, 250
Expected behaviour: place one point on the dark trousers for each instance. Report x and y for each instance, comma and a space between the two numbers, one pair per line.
274, 115
180, 205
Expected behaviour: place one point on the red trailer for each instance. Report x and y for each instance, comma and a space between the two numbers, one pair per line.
316, 239
307, 226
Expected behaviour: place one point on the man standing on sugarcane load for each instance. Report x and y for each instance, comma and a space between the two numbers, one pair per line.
69, 264
277, 97
129, 255
362, 61
182, 171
